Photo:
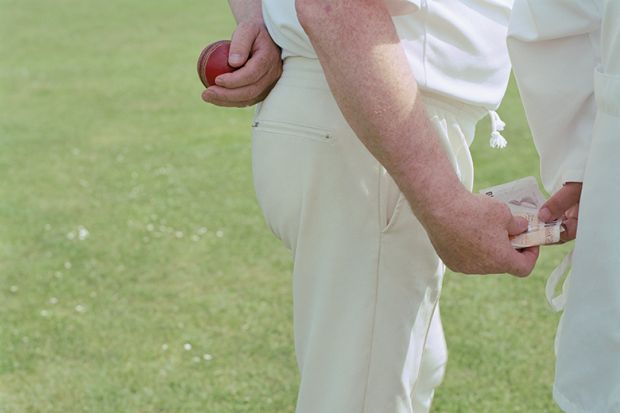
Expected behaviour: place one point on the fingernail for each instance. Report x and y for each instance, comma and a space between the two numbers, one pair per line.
235, 59
544, 214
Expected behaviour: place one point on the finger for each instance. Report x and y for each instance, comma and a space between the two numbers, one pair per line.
217, 100
517, 225
562, 200
252, 72
208, 95
572, 212
242, 94
524, 261
227, 104
570, 230
241, 44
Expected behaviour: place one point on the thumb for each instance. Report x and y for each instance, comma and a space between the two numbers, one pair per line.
560, 202
517, 225
241, 44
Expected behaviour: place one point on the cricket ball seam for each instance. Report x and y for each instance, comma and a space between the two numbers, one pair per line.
204, 58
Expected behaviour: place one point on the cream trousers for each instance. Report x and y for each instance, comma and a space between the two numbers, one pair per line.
366, 280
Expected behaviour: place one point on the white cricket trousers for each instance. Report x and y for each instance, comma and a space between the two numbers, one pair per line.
366, 279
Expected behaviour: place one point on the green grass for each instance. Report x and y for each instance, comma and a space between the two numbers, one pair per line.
102, 128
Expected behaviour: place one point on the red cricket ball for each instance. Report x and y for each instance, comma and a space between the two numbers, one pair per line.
213, 61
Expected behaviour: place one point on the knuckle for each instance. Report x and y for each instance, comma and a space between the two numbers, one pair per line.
506, 210
500, 209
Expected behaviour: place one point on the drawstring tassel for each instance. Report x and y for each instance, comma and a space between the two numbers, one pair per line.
497, 140
497, 125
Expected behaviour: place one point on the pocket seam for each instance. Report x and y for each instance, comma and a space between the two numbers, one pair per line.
395, 213
292, 129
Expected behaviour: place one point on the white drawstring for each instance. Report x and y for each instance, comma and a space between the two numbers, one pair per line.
557, 302
497, 125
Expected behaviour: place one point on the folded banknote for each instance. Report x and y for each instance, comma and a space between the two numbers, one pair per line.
524, 199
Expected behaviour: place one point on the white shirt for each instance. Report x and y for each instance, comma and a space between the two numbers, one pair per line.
456, 48
555, 47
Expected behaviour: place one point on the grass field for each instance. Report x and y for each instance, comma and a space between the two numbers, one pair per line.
136, 273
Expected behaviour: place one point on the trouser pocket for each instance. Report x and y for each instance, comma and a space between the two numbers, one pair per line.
289, 162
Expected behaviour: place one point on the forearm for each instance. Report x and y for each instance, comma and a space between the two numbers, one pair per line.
370, 77
246, 10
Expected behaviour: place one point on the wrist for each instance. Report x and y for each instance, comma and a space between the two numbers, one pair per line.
251, 21
246, 10
249, 15
435, 195
440, 202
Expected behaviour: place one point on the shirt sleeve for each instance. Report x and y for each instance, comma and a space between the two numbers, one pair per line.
554, 52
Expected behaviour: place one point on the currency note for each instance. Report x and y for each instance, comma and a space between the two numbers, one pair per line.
524, 199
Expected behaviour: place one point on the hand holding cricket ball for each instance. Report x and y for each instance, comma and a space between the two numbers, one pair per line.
246, 68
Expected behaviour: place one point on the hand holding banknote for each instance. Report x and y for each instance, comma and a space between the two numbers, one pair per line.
525, 199
471, 233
